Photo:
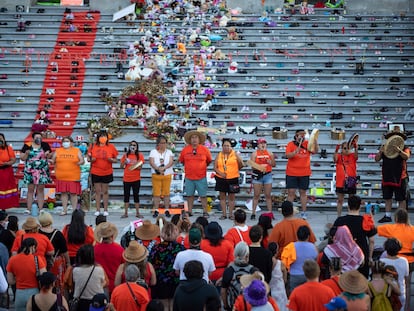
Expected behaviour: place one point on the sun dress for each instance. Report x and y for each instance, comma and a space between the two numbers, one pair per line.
277, 287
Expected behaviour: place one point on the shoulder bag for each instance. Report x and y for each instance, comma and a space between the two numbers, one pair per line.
133, 296
74, 303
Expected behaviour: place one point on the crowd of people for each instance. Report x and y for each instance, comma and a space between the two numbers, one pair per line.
166, 265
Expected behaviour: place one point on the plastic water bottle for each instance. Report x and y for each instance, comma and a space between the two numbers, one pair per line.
35, 210
368, 208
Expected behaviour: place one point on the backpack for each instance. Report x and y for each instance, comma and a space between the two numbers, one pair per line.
234, 290
380, 301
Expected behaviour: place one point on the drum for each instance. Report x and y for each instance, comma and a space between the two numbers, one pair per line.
391, 145
353, 140
135, 166
313, 140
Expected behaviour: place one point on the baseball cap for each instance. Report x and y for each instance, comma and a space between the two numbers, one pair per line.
99, 302
261, 140
194, 236
336, 303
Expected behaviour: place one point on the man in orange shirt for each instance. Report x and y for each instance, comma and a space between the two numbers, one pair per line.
195, 157
298, 168
285, 231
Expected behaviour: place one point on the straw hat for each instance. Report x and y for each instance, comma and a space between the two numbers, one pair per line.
201, 137
135, 252
247, 278
105, 230
30, 224
148, 231
390, 150
353, 282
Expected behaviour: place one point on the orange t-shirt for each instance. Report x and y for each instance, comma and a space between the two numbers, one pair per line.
310, 296
402, 232
102, 167
44, 245
241, 302
23, 268
73, 248
262, 158
333, 284
349, 161
134, 175
195, 161
184, 241
6, 154
231, 164
122, 298
235, 235
285, 232
222, 254
67, 167
299, 165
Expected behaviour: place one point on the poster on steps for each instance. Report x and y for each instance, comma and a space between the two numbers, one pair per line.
71, 2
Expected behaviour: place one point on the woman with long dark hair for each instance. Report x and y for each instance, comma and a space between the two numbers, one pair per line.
9, 194
132, 162
22, 270
102, 155
77, 233
86, 274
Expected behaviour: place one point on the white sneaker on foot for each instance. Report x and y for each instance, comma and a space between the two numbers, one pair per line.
27, 212
97, 213
106, 213
304, 215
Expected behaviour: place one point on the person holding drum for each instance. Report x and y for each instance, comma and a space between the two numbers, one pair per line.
346, 175
132, 162
298, 168
394, 155
227, 166
262, 161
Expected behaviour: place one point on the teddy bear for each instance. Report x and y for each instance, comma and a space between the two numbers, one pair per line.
219, 55
232, 34
156, 74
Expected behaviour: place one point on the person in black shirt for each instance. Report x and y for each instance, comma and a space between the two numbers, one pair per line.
260, 257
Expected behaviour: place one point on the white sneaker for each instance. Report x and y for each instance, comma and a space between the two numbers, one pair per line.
106, 213
304, 215
26, 211
97, 213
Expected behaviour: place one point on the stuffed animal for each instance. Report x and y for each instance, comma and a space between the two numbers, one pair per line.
232, 34
156, 74
219, 55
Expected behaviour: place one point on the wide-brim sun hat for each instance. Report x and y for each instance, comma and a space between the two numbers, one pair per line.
105, 230
189, 134
353, 282
30, 224
148, 231
135, 252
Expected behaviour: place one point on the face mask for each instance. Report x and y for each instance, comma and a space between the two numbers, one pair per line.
103, 140
38, 141
66, 144
132, 148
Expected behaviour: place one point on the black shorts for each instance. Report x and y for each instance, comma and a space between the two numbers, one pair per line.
400, 192
297, 182
222, 185
348, 191
96, 179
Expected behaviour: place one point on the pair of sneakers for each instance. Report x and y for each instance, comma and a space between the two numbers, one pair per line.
105, 213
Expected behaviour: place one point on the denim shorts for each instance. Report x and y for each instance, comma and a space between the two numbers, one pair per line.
191, 185
266, 179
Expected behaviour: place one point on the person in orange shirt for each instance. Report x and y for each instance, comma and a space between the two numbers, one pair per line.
263, 181
286, 230
227, 166
9, 194
298, 168
240, 231
31, 230
346, 166
102, 155
132, 162
195, 157
68, 160
77, 233
220, 249
21, 271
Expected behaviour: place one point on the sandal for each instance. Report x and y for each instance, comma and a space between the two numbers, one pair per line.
231, 217
124, 216
139, 216
223, 217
